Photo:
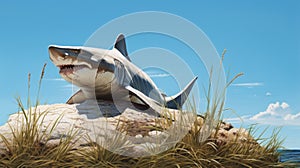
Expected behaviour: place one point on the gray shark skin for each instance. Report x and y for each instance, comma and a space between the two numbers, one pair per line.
109, 74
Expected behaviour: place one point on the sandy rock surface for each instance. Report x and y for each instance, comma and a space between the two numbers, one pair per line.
134, 129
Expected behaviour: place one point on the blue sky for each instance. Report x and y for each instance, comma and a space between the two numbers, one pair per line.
262, 39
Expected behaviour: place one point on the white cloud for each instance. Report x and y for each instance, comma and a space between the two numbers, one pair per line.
268, 94
69, 89
248, 84
237, 119
55, 79
274, 110
70, 86
162, 75
292, 117
275, 114
66, 86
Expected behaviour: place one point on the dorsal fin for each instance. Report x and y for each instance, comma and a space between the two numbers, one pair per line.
120, 45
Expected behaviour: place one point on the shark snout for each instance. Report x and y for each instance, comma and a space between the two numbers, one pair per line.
58, 51
56, 54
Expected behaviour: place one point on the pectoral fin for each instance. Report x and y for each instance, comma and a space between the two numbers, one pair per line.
78, 97
157, 107
145, 99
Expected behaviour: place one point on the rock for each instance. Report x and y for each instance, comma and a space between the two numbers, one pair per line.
119, 128
139, 136
227, 133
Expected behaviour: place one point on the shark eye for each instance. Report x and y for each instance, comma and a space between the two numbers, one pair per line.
76, 51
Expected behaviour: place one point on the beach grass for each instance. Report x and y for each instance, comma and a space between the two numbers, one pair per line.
28, 147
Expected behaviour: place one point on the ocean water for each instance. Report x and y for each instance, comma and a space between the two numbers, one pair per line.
290, 156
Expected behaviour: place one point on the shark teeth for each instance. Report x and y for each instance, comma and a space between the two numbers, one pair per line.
66, 66
70, 68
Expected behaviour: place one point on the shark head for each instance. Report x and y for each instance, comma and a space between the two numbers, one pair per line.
83, 66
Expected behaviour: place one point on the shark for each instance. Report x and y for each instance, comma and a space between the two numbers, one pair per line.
109, 74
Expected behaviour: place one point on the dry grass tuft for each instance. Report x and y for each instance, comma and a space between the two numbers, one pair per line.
28, 147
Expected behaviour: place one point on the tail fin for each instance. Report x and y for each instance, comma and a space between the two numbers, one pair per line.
176, 101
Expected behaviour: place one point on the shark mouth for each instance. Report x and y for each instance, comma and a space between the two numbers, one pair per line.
70, 68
